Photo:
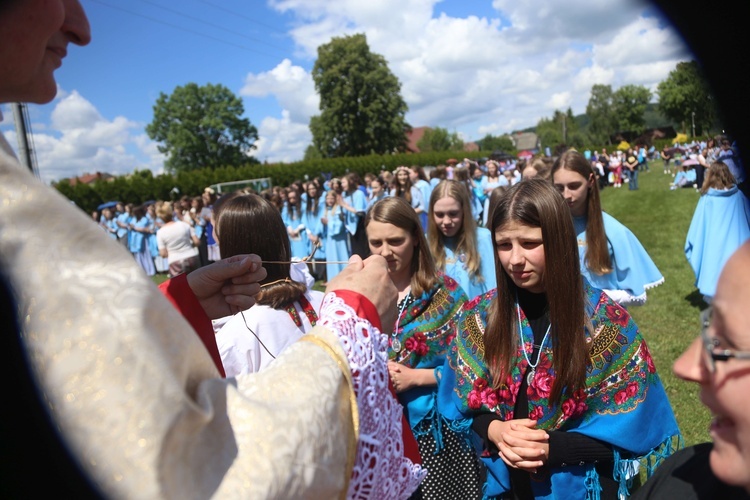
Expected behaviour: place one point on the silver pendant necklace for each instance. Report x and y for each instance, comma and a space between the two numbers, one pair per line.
533, 366
395, 342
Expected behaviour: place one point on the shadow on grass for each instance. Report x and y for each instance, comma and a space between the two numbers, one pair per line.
695, 299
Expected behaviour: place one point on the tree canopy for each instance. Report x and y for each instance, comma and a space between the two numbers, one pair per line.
561, 129
684, 92
202, 126
629, 105
603, 120
361, 108
495, 143
439, 139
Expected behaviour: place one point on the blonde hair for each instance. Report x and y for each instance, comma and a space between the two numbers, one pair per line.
467, 234
165, 211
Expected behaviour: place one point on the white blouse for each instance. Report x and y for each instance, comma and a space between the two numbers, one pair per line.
250, 340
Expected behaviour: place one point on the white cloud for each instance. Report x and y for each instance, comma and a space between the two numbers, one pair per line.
292, 87
79, 140
281, 140
493, 72
642, 41
559, 101
467, 72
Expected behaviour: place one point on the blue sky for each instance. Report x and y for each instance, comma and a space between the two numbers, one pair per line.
473, 67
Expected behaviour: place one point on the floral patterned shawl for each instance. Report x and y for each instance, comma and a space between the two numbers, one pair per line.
425, 330
623, 402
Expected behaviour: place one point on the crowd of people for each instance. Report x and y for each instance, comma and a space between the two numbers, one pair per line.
467, 245
164, 237
685, 162
522, 376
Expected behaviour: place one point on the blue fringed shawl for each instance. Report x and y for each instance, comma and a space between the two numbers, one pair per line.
623, 403
426, 330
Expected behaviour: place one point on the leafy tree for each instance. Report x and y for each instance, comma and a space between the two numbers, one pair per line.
361, 108
439, 139
495, 143
684, 92
311, 153
562, 128
202, 126
600, 110
629, 105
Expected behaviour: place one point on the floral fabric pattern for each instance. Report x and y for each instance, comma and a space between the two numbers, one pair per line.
622, 393
428, 325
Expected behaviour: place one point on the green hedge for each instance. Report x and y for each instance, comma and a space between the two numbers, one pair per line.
142, 186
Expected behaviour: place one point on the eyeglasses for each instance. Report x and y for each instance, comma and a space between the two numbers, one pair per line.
711, 347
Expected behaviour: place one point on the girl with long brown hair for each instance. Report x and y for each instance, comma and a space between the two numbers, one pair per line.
611, 256
429, 304
461, 250
286, 307
548, 371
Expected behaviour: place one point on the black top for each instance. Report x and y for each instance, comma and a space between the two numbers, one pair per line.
564, 448
687, 475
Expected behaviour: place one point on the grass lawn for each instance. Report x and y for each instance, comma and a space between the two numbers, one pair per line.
670, 318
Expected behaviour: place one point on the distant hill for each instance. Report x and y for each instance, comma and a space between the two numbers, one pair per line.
654, 119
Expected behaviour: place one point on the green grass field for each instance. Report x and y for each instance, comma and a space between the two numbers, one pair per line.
670, 318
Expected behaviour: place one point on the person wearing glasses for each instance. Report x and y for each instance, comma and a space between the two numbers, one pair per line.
719, 362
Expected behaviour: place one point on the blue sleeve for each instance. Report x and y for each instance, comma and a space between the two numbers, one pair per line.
335, 223
487, 256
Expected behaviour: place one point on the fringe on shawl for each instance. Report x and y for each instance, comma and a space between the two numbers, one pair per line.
625, 469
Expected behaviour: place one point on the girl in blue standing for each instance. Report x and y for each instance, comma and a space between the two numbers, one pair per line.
720, 225
550, 373
294, 221
353, 201
461, 250
313, 207
611, 256
141, 227
332, 230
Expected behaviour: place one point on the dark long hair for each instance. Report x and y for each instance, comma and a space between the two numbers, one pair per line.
597, 252
248, 223
312, 204
402, 191
536, 203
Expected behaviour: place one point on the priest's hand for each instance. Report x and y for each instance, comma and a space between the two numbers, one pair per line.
370, 278
228, 286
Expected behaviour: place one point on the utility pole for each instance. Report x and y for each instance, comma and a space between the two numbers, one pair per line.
20, 117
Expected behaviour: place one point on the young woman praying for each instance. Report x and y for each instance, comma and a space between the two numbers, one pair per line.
548, 371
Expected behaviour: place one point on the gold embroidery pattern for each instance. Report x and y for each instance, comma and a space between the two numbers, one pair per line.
476, 333
603, 339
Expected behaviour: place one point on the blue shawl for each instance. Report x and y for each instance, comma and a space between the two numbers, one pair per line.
623, 402
455, 267
632, 268
425, 331
720, 225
